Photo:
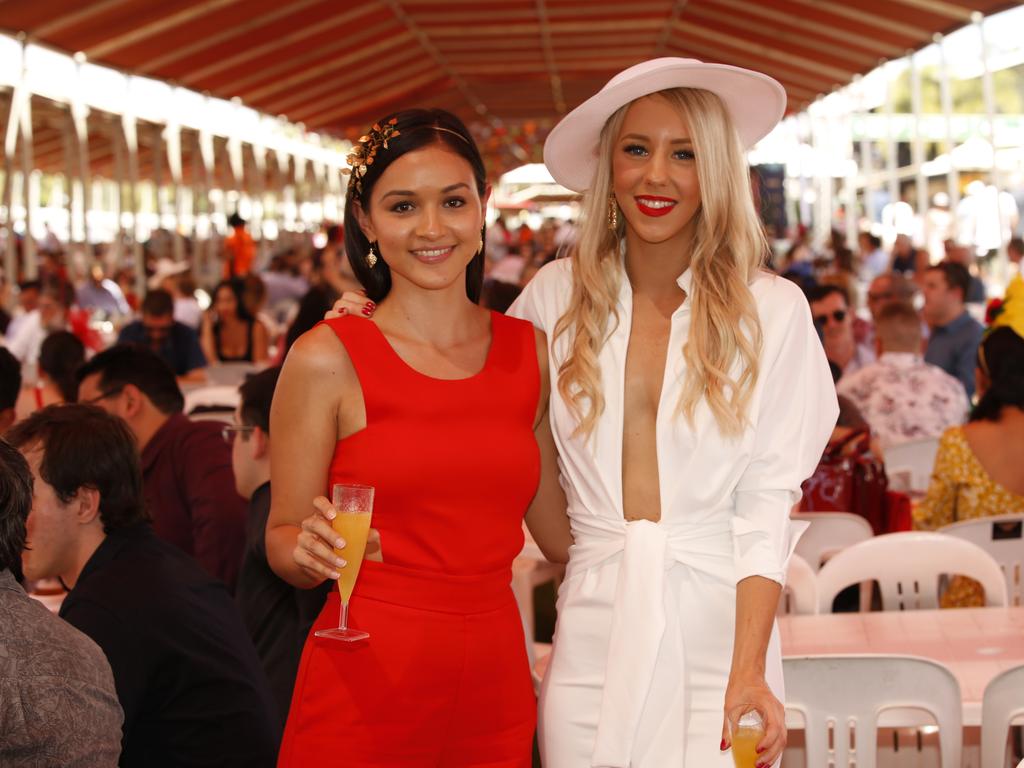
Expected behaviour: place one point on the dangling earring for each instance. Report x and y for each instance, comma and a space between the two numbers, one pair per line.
480, 246
613, 213
371, 258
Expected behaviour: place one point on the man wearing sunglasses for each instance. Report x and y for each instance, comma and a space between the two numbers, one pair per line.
832, 317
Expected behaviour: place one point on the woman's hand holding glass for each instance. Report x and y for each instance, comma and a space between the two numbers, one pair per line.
317, 540
753, 695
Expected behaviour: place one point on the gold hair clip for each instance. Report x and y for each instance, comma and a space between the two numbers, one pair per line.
364, 152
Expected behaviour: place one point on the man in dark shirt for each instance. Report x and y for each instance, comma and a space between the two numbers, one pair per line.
58, 705
187, 676
955, 335
186, 466
10, 387
175, 342
277, 615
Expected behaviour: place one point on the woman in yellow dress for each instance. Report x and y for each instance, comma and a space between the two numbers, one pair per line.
977, 468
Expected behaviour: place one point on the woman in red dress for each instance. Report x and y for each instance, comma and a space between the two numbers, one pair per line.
442, 407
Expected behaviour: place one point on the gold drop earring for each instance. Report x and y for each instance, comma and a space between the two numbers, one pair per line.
613, 213
371, 258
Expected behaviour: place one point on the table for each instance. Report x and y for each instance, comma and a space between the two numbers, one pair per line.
976, 644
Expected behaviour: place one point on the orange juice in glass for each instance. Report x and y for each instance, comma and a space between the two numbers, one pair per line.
354, 507
746, 734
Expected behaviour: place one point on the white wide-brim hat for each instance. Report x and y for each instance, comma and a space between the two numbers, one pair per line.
755, 103
166, 268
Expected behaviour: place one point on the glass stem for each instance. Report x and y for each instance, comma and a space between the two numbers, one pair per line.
343, 621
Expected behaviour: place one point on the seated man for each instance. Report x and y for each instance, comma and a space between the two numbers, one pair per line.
187, 676
277, 615
955, 335
833, 318
189, 486
175, 342
58, 705
902, 397
10, 388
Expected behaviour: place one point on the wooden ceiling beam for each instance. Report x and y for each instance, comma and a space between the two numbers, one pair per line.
64, 21
573, 14
766, 51
940, 8
297, 35
811, 81
557, 27
352, 104
243, 27
278, 84
787, 39
357, 87
156, 27
554, 79
845, 11
840, 35
374, 66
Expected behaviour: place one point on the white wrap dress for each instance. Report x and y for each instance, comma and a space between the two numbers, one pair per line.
646, 613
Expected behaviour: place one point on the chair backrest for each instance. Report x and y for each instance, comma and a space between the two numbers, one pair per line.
907, 567
212, 399
1003, 538
829, 533
800, 595
909, 465
847, 693
1002, 702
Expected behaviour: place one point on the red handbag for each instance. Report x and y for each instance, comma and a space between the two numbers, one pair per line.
849, 480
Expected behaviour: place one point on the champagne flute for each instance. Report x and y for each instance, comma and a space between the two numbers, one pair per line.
746, 734
353, 505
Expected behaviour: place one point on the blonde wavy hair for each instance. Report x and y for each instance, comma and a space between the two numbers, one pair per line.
728, 249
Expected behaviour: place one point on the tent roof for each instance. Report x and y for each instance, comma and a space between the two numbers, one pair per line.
512, 66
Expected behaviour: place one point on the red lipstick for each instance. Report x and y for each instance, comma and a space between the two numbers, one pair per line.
644, 204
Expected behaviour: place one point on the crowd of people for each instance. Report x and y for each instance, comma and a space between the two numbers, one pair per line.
634, 385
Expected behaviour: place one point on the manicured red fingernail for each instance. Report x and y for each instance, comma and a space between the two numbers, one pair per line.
761, 749
366, 311
722, 748
371, 305
343, 311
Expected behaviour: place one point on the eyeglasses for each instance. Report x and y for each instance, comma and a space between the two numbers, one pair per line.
839, 315
229, 432
109, 393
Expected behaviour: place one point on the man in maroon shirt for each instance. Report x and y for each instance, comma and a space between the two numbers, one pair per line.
188, 482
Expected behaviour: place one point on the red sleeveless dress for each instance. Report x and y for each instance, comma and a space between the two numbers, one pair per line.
443, 680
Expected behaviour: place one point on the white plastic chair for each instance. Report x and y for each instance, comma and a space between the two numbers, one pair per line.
909, 465
907, 567
845, 694
212, 402
829, 533
1007, 549
800, 595
1002, 702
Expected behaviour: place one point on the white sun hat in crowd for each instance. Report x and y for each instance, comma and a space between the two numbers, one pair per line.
755, 103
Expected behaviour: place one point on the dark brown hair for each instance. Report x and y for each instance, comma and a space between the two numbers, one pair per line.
419, 128
85, 447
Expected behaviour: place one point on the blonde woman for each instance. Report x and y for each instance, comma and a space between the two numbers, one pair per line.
693, 397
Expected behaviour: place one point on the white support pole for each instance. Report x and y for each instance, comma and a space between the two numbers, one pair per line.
28, 243
68, 140
892, 183
946, 97
989, 94
80, 122
10, 148
917, 150
131, 143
